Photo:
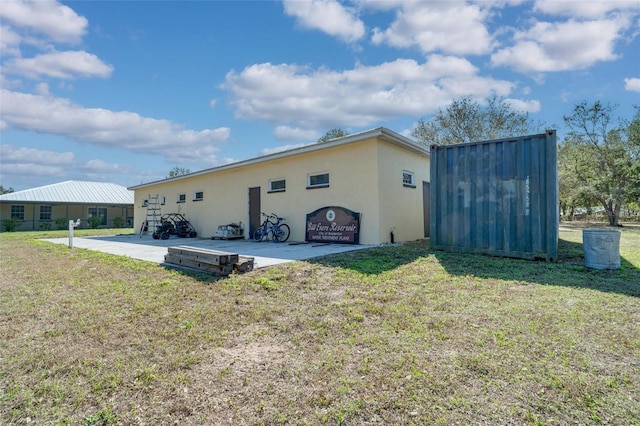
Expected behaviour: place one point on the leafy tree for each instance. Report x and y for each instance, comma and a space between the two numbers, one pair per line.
178, 171
599, 161
333, 134
466, 120
4, 190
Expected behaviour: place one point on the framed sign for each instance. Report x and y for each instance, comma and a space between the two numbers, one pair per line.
333, 225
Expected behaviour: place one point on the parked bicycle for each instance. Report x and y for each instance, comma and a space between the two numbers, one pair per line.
272, 225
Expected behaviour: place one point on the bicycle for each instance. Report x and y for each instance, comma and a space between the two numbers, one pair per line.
278, 230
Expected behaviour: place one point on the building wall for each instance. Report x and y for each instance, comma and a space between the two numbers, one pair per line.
401, 207
32, 220
354, 184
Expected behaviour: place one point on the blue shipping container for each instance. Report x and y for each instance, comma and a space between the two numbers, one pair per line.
497, 197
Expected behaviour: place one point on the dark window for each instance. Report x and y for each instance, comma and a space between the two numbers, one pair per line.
320, 180
279, 185
17, 212
182, 198
408, 179
101, 212
198, 196
45, 212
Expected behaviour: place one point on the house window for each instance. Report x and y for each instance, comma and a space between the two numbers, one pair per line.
100, 212
408, 179
277, 185
17, 212
45, 212
163, 200
145, 203
198, 196
318, 180
182, 198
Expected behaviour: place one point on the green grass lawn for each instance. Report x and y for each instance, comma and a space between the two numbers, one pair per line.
388, 335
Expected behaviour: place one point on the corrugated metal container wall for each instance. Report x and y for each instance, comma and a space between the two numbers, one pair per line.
497, 197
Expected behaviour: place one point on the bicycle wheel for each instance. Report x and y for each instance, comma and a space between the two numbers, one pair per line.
259, 233
283, 233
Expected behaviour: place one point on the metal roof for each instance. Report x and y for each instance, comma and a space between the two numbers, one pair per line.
73, 192
380, 132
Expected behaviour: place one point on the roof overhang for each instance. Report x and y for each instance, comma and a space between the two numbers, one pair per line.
381, 133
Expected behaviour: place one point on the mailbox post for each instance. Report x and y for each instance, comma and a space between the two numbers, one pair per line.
72, 225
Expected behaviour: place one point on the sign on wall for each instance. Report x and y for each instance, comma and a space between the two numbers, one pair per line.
333, 225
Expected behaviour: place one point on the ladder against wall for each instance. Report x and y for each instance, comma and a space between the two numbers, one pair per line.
152, 219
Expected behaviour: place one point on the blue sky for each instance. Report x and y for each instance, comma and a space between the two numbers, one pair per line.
122, 92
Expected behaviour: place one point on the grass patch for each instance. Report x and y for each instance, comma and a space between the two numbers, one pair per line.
388, 335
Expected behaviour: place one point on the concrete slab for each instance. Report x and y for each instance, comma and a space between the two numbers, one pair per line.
266, 253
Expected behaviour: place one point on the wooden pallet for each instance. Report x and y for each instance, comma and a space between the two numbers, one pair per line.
209, 261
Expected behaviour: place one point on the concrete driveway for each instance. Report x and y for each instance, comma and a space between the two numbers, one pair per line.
265, 253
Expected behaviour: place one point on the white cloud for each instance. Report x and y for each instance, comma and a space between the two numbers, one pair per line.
267, 151
328, 16
584, 9
286, 133
316, 99
632, 84
105, 128
101, 166
450, 27
15, 155
49, 18
42, 89
65, 65
524, 106
9, 41
571, 45
24, 170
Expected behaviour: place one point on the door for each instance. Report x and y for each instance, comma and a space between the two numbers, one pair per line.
426, 206
254, 210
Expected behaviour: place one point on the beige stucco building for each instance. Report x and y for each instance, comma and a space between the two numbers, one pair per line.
378, 173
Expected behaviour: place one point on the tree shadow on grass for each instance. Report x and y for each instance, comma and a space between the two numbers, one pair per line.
568, 271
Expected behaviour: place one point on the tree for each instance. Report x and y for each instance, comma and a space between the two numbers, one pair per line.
466, 120
178, 171
4, 190
333, 134
600, 160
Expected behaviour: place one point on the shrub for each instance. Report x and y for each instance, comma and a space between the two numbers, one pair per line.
11, 225
119, 222
62, 222
94, 221
45, 226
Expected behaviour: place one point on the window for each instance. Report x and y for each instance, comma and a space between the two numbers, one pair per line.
319, 180
277, 185
17, 212
198, 196
145, 203
100, 212
163, 200
182, 198
45, 212
408, 179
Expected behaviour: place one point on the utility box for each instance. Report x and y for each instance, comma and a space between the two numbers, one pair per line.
601, 248
496, 197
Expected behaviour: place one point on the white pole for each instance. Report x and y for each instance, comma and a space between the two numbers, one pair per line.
72, 225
